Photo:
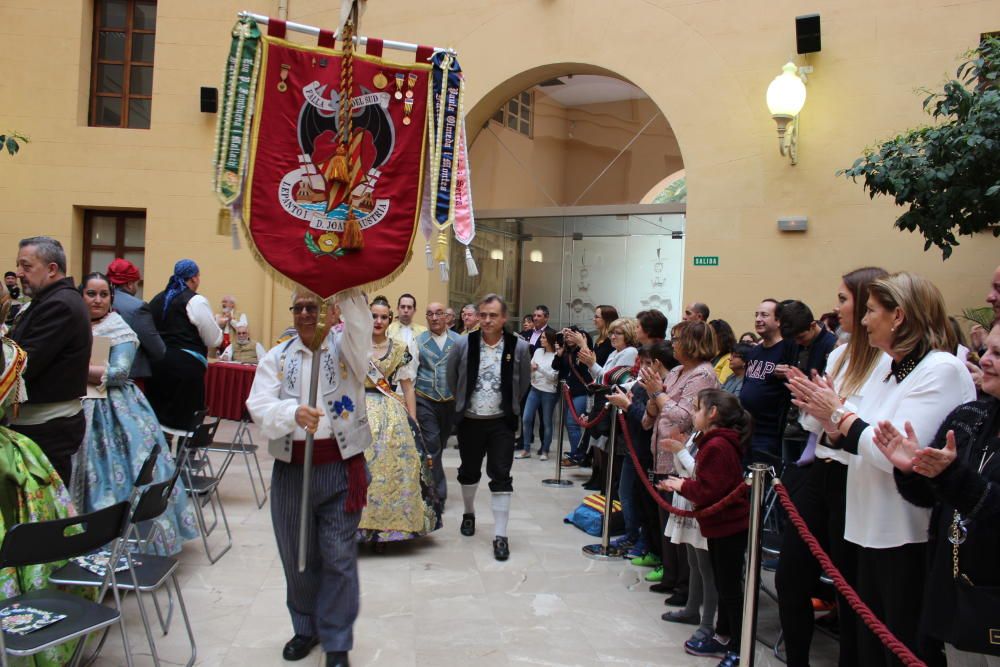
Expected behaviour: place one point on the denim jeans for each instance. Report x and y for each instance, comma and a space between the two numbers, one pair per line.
575, 432
538, 401
627, 489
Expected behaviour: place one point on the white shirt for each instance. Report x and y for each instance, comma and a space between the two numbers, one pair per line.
544, 378
877, 517
851, 402
288, 366
487, 399
201, 316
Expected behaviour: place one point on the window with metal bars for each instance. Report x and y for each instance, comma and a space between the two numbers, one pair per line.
121, 78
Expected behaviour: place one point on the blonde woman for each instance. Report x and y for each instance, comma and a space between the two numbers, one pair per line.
914, 388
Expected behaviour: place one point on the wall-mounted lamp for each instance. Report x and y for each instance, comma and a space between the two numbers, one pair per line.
496, 254
535, 256
798, 223
785, 97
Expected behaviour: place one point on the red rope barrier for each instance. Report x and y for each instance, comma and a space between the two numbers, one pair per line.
576, 417
733, 496
844, 588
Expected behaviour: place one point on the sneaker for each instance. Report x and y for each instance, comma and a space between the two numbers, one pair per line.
732, 659
701, 633
706, 647
522, 455
635, 553
622, 543
543, 457
569, 463
822, 605
681, 617
655, 575
647, 560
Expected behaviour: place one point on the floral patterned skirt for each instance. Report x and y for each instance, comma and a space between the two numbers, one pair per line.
30, 490
400, 494
121, 431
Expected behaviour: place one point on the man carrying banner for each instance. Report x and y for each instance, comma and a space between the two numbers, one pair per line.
323, 600
489, 372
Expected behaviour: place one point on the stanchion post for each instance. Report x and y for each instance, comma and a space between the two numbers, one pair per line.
604, 550
558, 480
757, 478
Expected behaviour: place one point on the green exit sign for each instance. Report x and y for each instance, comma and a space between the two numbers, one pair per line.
706, 261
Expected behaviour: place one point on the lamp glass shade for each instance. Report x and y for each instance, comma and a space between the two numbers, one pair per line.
535, 256
496, 253
787, 93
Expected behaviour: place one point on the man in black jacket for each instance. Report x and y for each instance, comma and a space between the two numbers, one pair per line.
55, 332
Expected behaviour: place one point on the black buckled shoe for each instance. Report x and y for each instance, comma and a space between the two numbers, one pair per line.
299, 647
468, 527
337, 659
501, 548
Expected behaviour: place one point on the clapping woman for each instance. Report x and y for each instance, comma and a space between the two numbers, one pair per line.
958, 476
920, 382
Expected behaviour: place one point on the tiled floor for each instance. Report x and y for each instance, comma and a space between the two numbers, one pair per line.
443, 600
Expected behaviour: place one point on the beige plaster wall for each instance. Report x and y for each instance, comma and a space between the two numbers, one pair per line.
705, 65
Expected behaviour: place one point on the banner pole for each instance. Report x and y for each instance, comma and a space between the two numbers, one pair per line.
305, 512
558, 480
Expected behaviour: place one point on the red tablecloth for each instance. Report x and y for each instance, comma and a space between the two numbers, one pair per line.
227, 386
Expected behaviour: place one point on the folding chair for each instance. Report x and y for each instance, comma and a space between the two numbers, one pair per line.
147, 575
243, 444
203, 487
47, 541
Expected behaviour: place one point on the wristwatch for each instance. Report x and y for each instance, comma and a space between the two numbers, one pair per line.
838, 415
655, 394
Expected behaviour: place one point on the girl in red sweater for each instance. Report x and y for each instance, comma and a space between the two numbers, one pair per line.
725, 434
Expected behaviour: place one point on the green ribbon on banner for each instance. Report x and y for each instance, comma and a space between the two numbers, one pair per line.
233, 129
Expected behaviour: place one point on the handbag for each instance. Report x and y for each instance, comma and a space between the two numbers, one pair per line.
976, 626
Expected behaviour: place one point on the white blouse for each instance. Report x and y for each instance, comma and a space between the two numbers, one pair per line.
877, 517
851, 402
544, 377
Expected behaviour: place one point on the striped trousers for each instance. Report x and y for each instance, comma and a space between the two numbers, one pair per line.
323, 601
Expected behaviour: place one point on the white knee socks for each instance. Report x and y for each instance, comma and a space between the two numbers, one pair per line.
469, 497
501, 513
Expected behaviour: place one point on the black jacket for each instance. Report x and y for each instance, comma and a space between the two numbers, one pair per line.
55, 332
976, 496
526, 335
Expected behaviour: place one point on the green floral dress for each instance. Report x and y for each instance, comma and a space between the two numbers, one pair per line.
30, 490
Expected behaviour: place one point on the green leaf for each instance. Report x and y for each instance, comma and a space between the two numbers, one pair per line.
12, 146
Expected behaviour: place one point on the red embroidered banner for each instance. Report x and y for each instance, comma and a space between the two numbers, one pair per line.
294, 211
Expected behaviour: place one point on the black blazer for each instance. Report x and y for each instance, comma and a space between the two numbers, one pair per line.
526, 335
55, 332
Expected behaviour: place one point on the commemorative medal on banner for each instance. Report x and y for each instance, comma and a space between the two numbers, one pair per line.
330, 205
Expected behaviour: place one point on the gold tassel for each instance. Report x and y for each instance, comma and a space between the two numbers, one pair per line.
336, 171
441, 250
353, 239
224, 222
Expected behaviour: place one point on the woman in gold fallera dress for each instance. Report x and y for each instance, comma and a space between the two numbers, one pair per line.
401, 504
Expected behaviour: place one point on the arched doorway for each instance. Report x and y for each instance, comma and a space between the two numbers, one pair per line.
561, 171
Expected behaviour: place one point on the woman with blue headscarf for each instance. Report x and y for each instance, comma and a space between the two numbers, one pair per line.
188, 329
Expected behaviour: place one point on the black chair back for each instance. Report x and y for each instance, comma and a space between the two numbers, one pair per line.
154, 499
145, 475
47, 541
203, 436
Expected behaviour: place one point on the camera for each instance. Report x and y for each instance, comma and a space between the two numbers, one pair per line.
561, 339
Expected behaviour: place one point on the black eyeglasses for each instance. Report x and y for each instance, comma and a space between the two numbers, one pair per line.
311, 309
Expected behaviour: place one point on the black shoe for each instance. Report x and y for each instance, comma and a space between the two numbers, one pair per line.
676, 600
661, 588
337, 659
299, 647
501, 548
468, 527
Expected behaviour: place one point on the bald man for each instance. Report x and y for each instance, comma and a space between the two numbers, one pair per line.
435, 400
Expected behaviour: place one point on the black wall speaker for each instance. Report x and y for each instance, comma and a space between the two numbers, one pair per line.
209, 99
807, 39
